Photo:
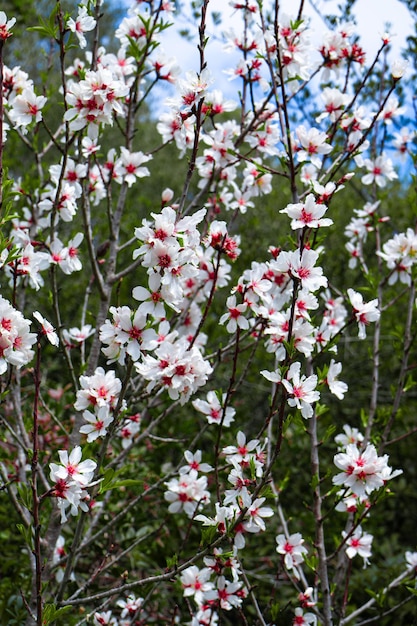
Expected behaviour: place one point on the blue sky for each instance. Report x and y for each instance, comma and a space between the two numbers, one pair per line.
372, 17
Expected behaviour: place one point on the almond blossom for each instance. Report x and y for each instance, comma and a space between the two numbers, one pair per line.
358, 543
6, 25
292, 548
337, 387
130, 165
187, 493
380, 170
213, 409
97, 423
227, 594
301, 390
47, 329
196, 583
27, 108
83, 24
363, 471
15, 339
313, 143
364, 312
234, 317
100, 389
307, 214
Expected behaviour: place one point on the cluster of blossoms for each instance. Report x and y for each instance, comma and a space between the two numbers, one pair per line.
130, 607
238, 514
72, 477
284, 302
16, 340
400, 255
363, 472
188, 492
357, 231
99, 392
23, 106
214, 410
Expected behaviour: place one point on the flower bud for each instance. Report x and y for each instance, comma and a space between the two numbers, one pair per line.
167, 195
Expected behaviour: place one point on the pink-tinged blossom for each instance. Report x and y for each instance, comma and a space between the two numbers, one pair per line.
254, 517
351, 435
400, 254
303, 619
195, 582
227, 594
191, 90
75, 336
379, 171
100, 389
94, 100
205, 616
337, 387
305, 302
130, 606
364, 312
391, 110
293, 550
130, 165
221, 561
302, 268
349, 502
71, 477
194, 463
307, 214
363, 471
73, 174
306, 598
188, 493
301, 390
82, 24
47, 329
152, 302
256, 180
358, 543
179, 369
104, 618
132, 28
127, 334
244, 452
97, 423
234, 317
240, 494
27, 108
67, 257
334, 103
72, 468
312, 145
402, 141
15, 339
213, 409
6, 25
29, 263
70, 496
129, 428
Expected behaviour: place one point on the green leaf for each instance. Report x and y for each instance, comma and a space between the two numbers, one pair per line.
172, 561
26, 533
208, 534
127, 482
25, 495
51, 613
